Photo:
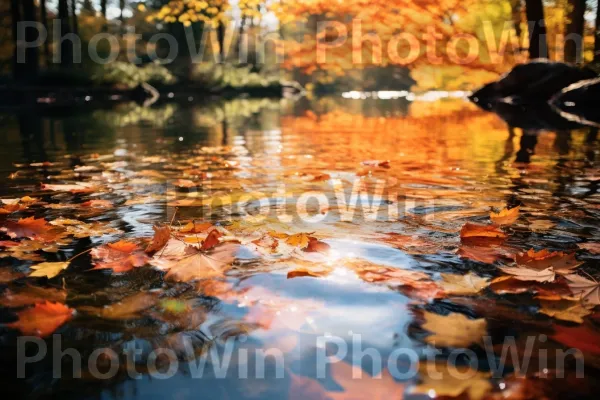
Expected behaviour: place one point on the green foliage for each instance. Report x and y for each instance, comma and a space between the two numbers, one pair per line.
220, 76
129, 75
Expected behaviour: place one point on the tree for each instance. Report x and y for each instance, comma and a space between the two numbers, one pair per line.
66, 46
575, 31
15, 13
44, 17
538, 42
597, 32
31, 53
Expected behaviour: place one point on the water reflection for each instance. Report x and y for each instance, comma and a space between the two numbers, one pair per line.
447, 156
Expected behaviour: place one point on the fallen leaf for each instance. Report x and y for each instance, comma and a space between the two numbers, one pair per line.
12, 208
48, 269
31, 228
455, 381
468, 284
98, 204
566, 310
487, 254
377, 163
316, 246
30, 295
587, 290
121, 256
526, 274
128, 308
162, 234
185, 183
453, 330
505, 216
593, 248
584, 337
299, 240
481, 234
80, 187
211, 240
315, 272
42, 319
561, 263
541, 225
196, 227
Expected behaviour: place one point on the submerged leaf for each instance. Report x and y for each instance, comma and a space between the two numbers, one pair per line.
566, 310
42, 319
453, 330
162, 234
543, 259
128, 308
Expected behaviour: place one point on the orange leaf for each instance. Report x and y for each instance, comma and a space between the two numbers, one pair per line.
211, 240
316, 246
506, 216
43, 319
97, 204
34, 229
162, 234
193, 227
121, 256
543, 259
482, 235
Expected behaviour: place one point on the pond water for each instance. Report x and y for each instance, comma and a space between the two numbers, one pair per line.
340, 225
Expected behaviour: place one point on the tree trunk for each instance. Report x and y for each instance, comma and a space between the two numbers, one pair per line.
597, 32
31, 54
66, 46
122, 7
574, 31
221, 40
538, 42
103, 5
15, 13
44, 17
516, 9
74, 17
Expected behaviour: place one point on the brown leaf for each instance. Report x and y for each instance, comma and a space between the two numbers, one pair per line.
32, 228
526, 274
128, 308
561, 263
566, 310
121, 256
79, 187
593, 248
316, 246
42, 319
587, 290
162, 234
30, 295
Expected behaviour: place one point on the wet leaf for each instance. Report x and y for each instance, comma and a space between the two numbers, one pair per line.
377, 163
441, 379
561, 263
121, 256
475, 234
31, 228
30, 295
42, 319
587, 290
128, 308
196, 227
593, 248
80, 187
453, 330
566, 310
468, 284
211, 240
541, 225
48, 269
162, 234
526, 274
505, 216
98, 204
316, 246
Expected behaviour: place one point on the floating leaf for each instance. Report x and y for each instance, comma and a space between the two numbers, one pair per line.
587, 290
468, 284
42, 319
593, 248
561, 263
80, 187
505, 216
196, 227
526, 274
48, 269
128, 308
481, 234
32, 228
121, 256
453, 330
566, 310
162, 234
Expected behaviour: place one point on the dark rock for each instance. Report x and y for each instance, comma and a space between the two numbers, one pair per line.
535, 118
532, 83
580, 102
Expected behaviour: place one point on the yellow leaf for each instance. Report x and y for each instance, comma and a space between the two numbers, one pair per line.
48, 269
453, 330
565, 310
463, 284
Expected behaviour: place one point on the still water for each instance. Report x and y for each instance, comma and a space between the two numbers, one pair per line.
438, 164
